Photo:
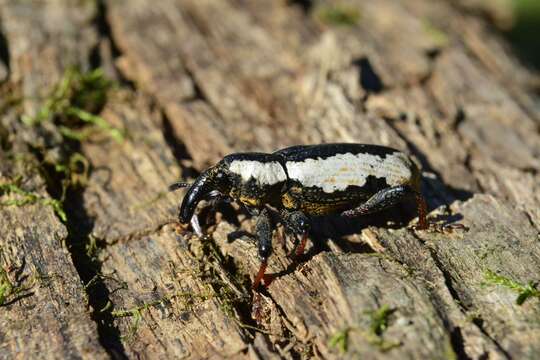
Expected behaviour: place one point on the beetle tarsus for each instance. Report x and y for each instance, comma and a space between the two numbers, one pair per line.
425, 225
435, 227
301, 246
256, 308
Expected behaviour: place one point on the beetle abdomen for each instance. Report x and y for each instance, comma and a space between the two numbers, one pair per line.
335, 167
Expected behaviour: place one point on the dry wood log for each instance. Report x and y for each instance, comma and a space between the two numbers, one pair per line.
45, 313
202, 78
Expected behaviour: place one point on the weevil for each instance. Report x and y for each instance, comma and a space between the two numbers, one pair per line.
303, 181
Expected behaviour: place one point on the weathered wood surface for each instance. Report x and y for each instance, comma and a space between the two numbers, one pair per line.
46, 316
199, 79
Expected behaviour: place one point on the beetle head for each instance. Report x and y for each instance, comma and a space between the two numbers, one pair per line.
250, 178
213, 180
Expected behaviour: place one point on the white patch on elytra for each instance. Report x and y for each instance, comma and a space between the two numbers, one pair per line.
337, 172
265, 173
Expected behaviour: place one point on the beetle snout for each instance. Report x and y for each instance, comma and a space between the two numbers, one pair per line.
200, 188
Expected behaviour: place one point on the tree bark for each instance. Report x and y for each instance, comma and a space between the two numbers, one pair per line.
201, 79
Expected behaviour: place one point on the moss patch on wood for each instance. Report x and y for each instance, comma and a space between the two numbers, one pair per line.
378, 324
12, 290
524, 291
23, 197
73, 104
338, 14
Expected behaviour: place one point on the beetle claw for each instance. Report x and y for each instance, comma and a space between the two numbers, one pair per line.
434, 227
256, 308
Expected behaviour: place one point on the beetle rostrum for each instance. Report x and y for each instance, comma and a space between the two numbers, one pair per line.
307, 180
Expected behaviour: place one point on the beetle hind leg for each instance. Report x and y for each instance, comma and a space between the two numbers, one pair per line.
393, 195
382, 200
389, 197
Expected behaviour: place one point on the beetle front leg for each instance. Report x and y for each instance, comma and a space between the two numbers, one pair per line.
263, 231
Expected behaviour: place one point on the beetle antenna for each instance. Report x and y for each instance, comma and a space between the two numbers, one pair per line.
178, 185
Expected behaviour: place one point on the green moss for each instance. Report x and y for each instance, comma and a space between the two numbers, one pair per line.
98, 279
439, 37
74, 171
340, 340
9, 292
23, 197
6, 287
338, 14
379, 320
378, 324
523, 35
449, 353
524, 291
230, 288
73, 103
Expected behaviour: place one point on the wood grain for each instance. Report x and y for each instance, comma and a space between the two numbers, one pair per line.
201, 79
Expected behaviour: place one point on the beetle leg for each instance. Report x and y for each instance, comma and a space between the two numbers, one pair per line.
424, 224
263, 230
422, 211
300, 248
391, 196
386, 198
298, 223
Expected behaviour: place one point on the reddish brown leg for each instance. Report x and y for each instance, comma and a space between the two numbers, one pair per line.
301, 246
422, 212
424, 224
256, 310
260, 275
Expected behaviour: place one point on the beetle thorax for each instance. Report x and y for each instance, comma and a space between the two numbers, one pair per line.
263, 173
256, 178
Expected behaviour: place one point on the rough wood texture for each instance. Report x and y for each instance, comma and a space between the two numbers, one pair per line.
46, 314
203, 78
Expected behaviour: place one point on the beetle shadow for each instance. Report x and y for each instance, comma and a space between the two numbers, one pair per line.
336, 229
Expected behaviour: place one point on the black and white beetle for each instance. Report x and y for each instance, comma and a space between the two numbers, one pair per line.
307, 180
